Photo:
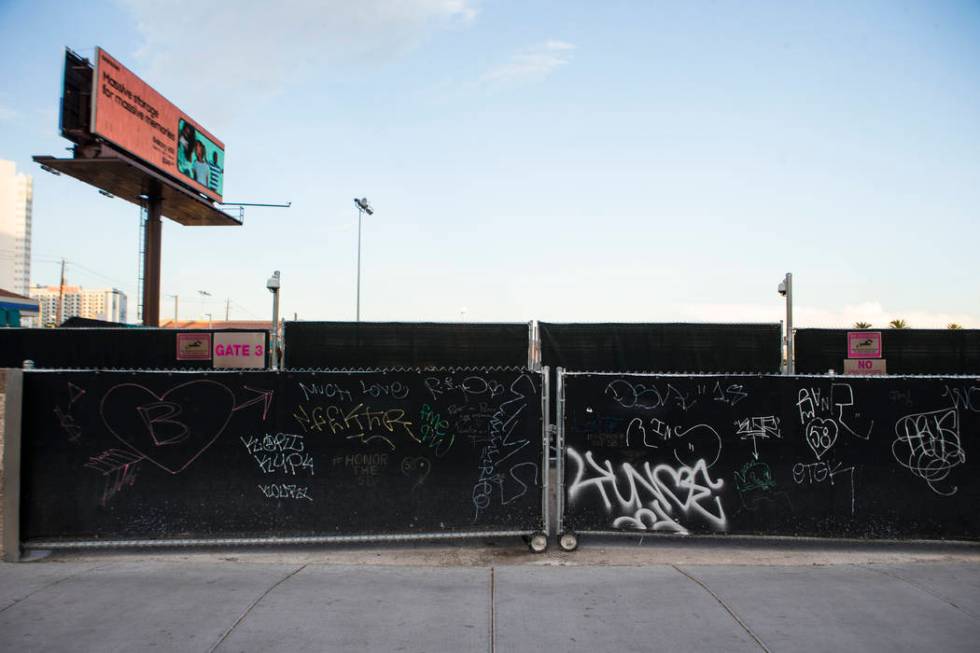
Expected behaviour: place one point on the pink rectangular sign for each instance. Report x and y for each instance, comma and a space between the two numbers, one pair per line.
864, 344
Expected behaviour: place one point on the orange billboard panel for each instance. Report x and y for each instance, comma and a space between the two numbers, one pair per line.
128, 113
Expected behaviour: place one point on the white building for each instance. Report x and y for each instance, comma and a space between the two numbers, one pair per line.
16, 199
107, 304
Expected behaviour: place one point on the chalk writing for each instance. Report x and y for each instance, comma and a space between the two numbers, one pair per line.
279, 453
653, 493
756, 485
358, 423
273, 442
395, 390
416, 468
758, 428
638, 395
285, 491
328, 390
820, 472
66, 420
928, 445
731, 395
366, 468
119, 467
284, 463
501, 443
964, 398
813, 402
469, 387
173, 429
433, 431
699, 442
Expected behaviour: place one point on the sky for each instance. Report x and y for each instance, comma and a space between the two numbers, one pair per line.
559, 161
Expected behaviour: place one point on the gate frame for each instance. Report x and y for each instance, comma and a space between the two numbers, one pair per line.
572, 543
14, 546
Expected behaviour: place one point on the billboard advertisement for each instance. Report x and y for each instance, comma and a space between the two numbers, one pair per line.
128, 113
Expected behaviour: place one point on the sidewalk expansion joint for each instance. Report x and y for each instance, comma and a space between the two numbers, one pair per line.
493, 616
724, 605
252, 605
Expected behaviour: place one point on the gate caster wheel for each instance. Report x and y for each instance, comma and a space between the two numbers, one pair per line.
568, 541
538, 543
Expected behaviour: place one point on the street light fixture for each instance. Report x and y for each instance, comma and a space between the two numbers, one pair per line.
785, 289
362, 207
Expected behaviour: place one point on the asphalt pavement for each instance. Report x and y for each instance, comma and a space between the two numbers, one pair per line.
612, 597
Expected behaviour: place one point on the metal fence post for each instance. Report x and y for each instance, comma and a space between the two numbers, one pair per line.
11, 465
560, 450
546, 442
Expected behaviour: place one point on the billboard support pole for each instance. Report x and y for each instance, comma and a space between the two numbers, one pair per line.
151, 260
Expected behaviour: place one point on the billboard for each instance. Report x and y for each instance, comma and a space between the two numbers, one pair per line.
128, 113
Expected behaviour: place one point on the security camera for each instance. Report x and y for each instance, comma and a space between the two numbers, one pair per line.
782, 288
273, 283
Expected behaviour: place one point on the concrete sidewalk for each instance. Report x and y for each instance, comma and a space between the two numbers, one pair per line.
301, 601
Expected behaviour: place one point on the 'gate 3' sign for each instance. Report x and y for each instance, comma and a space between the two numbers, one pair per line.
239, 350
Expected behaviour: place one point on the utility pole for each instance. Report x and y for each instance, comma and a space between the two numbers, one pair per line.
61, 297
175, 308
227, 307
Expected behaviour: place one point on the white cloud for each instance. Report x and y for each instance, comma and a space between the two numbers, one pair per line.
816, 316
227, 51
530, 65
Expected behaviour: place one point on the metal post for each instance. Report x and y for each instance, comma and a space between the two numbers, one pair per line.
546, 429
275, 329
790, 364
560, 452
359, 212
11, 465
151, 261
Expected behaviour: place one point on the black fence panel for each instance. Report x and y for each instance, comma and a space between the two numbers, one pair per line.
906, 351
374, 345
102, 348
190, 455
619, 347
885, 457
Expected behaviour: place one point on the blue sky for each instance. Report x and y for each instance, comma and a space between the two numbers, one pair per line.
619, 161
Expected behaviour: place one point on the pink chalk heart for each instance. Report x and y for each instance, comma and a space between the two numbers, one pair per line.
173, 429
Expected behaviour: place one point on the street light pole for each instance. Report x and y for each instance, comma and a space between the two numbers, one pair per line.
362, 207
273, 285
786, 290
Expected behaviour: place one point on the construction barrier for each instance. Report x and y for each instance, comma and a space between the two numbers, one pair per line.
360, 345
882, 457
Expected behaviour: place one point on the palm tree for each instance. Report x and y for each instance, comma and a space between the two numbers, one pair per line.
898, 324
953, 325
862, 325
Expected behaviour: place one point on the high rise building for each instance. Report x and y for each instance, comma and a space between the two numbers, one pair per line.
16, 199
107, 304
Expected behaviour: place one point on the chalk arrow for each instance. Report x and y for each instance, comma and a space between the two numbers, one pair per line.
755, 450
264, 396
74, 393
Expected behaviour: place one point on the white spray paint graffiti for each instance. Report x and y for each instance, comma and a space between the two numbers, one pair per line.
665, 491
928, 445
